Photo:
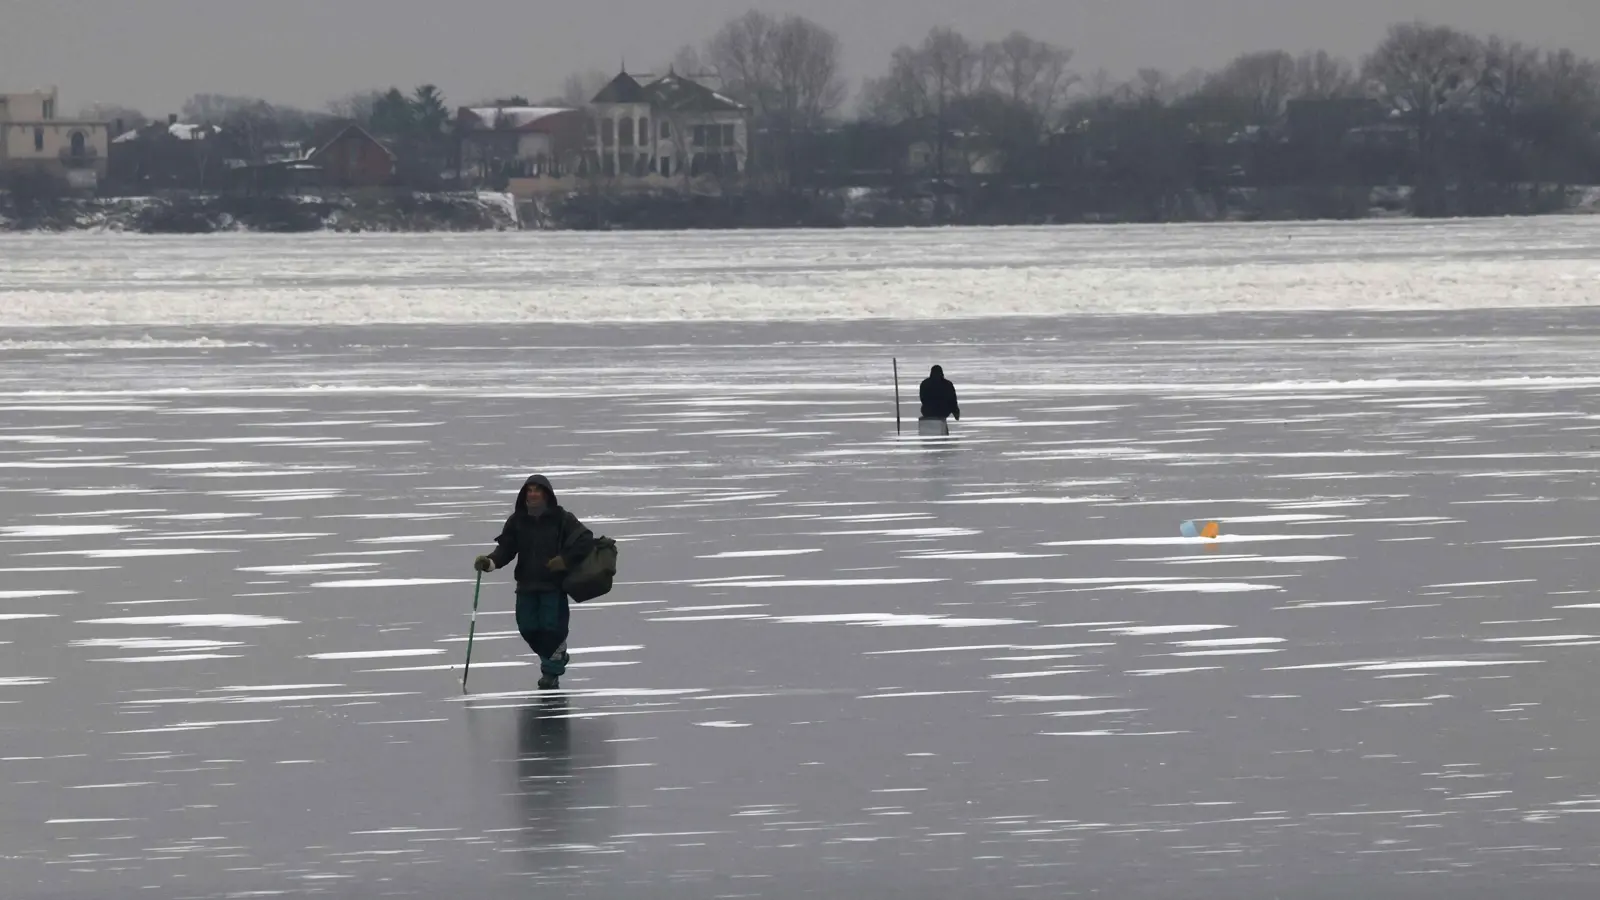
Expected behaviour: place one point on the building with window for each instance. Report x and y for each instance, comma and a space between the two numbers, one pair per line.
33, 137
670, 127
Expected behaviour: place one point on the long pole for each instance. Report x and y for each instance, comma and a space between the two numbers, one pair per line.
471, 631
896, 395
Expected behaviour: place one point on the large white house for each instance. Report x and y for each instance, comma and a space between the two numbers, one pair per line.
672, 126
33, 136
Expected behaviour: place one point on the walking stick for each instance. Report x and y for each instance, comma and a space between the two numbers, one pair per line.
897, 395
472, 630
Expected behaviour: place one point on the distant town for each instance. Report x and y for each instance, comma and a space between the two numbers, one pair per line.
1434, 121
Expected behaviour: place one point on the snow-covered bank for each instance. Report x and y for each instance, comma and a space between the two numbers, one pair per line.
209, 214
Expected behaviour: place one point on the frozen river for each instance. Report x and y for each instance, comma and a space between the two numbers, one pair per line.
235, 579
85, 279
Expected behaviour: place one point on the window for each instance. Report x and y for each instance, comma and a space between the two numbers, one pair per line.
666, 130
38, 140
625, 163
625, 127
644, 132
49, 109
727, 135
699, 135
608, 132
79, 144
666, 166
608, 165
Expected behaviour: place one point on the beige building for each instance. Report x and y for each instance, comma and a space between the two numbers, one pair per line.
33, 136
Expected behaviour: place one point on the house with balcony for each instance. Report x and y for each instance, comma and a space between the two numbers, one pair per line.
35, 138
667, 128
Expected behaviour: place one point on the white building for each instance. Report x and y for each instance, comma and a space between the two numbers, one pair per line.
33, 136
670, 127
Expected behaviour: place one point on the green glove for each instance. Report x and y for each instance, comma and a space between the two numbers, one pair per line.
483, 564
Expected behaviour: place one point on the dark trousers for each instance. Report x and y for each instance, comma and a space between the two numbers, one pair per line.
542, 619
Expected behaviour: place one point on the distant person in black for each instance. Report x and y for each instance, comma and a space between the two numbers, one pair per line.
939, 397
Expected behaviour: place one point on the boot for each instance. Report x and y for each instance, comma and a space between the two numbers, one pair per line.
549, 682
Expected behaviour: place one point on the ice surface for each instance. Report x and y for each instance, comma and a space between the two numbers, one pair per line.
930, 702
807, 275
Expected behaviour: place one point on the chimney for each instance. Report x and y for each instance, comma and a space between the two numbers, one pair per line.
117, 128
172, 118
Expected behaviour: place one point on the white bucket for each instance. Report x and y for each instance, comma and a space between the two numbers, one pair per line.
933, 428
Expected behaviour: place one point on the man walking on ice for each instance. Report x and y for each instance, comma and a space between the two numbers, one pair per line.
546, 541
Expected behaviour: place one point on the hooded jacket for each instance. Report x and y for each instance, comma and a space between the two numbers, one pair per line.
939, 396
534, 540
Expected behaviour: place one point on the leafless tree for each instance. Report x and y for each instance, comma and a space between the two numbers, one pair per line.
927, 80
357, 106
785, 69
1031, 73
1422, 70
1256, 87
1506, 77
1321, 76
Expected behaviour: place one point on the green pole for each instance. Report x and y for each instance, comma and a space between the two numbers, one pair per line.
472, 630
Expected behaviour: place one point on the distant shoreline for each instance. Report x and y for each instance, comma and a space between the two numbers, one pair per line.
484, 211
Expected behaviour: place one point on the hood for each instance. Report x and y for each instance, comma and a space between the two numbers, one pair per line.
938, 372
540, 480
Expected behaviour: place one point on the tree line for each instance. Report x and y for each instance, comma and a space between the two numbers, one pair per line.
1430, 106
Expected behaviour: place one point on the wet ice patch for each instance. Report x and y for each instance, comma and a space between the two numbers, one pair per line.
1142, 630
169, 657
750, 554
21, 595
1180, 540
198, 620
132, 553
374, 654
839, 582
307, 568
388, 582
152, 644
897, 620
54, 531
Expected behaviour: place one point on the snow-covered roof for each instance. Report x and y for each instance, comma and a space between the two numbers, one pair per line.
513, 117
179, 130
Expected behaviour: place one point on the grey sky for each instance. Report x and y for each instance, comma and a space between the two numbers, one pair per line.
153, 53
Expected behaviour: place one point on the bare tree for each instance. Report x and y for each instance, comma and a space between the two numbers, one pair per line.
1256, 86
1505, 80
1422, 72
786, 70
357, 106
1320, 76
690, 63
1031, 73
